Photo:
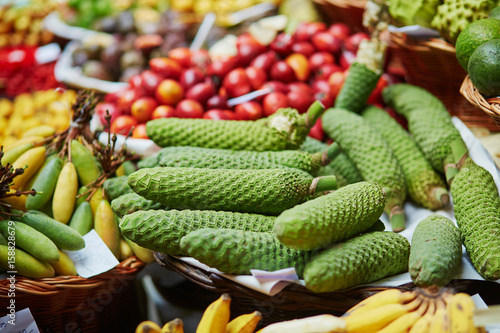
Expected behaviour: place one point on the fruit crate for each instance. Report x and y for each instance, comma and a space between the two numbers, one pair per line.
349, 12
432, 64
295, 301
490, 106
74, 303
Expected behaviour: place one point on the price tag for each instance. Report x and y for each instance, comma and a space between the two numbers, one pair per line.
19, 322
95, 258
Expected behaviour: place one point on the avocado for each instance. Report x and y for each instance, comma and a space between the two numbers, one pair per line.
484, 68
473, 35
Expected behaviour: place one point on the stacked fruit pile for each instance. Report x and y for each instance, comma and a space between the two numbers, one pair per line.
52, 195
287, 69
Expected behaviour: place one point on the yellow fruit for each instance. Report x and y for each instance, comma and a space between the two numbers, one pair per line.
64, 266
42, 130
64, 198
106, 226
5, 108
31, 160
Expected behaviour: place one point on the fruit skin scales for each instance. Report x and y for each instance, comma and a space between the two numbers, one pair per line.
425, 186
359, 260
436, 252
264, 191
285, 129
363, 76
341, 166
162, 230
476, 204
132, 202
428, 122
372, 156
116, 187
238, 251
331, 218
239, 159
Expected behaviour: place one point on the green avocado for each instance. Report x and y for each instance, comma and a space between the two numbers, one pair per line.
474, 35
484, 68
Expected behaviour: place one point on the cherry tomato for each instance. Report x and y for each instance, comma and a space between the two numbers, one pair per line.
273, 102
317, 131
200, 92
182, 55
142, 109
123, 124
139, 132
248, 111
163, 111
300, 66
256, 76
236, 83
169, 92
168, 68
188, 108
218, 114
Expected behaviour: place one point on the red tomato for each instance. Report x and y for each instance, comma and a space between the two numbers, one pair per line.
341, 30
218, 114
300, 66
317, 131
336, 80
265, 60
142, 109
273, 102
299, 100
256, 76
325, 41
304, 48
182, 55
168, 68
352, 43
104, 108
281, 71
150, 81
125, 98
140, 132
222, 66
300, 86
248, 48
282, 44
190, 77
325, 98
123, 124
169, 92
321, 85
188, 108
324, 71
217, 102
237, 83
318, 59
248, 111
163, 111
200, 92
276, 86
200, 59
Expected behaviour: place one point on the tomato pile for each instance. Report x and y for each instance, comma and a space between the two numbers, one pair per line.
310, 64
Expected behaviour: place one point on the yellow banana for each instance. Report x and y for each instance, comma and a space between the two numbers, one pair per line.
96, 199
423, 323
41, 130
461, 312
381, 298
316, 324
174, 326
64, 266
16, 202
377, 318
125, 250
440, 322
216, 316
13, 154
245, 323
64, 198
32, 159
28, 139
106, 226
406, 321
148, 327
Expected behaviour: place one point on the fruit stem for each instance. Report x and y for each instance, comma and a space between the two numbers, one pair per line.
397, 219
313, 113
323, 184
330, 153
441, 195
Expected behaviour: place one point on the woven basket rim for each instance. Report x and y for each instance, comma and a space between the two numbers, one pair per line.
401, 39
345, 3
53, 285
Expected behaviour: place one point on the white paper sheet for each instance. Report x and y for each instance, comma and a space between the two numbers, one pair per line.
20, 321
272, 286
95, 258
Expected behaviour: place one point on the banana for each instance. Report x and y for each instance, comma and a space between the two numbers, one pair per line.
440, 322
13, 154
32, 159
29, 139
125, 250
245, 323
174, 326
423, 323
216, 316
86, 165
406, 321
316, 324
461, 312
377, 318
64, 198
148, 327
381, 298
41, 130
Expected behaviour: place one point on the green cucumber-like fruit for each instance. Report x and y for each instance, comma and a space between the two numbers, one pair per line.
24, 263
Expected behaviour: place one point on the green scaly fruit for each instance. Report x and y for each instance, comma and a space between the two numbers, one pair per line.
238, 251
162, 230
372, 156
240, 159
359, 260
116, 187
285, 129
453, 16
132, 202
425, 186
430, 125
341, 166
436, 252
263, 191
150, 161
331, 218
476, 204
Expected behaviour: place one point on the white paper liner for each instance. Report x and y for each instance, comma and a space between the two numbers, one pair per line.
59, 28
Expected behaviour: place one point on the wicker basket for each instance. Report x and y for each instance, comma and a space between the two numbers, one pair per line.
490, 106
349, 12
432, 64
76, 304
295, 301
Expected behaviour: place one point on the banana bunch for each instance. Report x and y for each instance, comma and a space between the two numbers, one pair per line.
420, 310
215, 319
27, 111
24, 24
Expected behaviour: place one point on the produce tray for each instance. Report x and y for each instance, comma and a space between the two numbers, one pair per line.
490, 106
77, 304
